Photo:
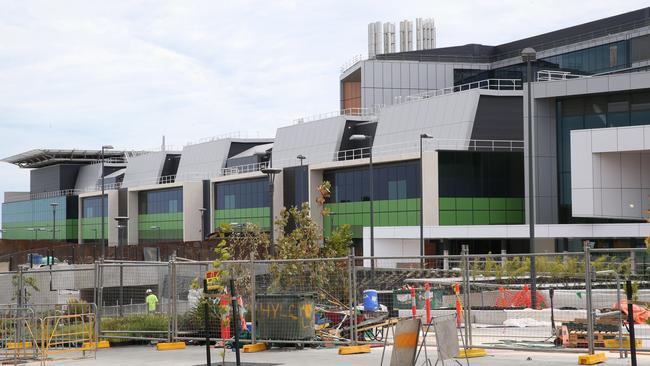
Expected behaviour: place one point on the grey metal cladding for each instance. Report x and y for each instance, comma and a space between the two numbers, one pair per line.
499, 118
317, 141
447, 117
53, 178
144, 169
206, 158
88, 176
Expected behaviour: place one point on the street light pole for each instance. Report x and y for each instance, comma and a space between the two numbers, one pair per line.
372, 199
301, 158
529, 55
104, 147
54, 204
422, 137
271, 173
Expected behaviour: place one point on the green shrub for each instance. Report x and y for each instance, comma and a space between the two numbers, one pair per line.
134, 325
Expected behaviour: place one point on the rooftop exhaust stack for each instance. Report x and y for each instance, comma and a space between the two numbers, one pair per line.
389, 38
405, 36
374, 39
425, 34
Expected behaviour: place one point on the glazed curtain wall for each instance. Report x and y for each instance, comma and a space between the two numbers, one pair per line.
241, 202
31, 220
598, 111
594, 60
160, 215
91, 219
396, 196
481, 188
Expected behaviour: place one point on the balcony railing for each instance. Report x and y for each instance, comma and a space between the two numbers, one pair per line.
246, 168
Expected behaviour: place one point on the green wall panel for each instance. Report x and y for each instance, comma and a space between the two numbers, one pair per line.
402, 212
160, 226
481, 210
255, 215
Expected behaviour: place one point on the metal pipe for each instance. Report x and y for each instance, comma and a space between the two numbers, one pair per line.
590, 310
531, 189
253, 300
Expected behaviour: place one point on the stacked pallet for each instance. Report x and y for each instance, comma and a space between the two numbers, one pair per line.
579, 338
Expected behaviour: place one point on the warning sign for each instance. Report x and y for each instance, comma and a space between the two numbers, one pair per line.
212, 278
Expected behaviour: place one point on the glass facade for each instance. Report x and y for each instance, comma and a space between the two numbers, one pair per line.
241, 202
481, 188
596, 111
608, 57
91, 219
396, 196
160, 215
33, 219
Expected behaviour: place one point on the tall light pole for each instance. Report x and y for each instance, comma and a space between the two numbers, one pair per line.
271, 173
372, 208
202, 211
104, 147
54, 205
301, 157
422, 137
528, 55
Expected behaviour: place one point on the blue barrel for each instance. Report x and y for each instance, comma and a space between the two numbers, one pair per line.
370, 301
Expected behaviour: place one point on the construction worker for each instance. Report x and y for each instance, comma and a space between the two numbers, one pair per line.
152, 301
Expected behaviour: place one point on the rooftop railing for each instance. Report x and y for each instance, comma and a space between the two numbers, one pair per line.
351, 62
431, 145
354, 112
487, 84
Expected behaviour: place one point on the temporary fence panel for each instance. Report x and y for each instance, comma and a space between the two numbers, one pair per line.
135, 301
20, 335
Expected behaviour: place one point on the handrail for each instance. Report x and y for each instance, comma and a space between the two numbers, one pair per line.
355, 112
351, 62
486, 84
431, 145
246, 168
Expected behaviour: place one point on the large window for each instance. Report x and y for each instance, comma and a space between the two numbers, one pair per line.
91, 219
160, 215
598, 111
242, 194
391, 181
92, 207
594, 60
242, 202
396, 196
161, 201
481, 188
34, 219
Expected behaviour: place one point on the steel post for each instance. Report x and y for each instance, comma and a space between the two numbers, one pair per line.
590, 310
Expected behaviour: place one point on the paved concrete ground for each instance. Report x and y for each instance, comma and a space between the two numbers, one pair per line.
195, 355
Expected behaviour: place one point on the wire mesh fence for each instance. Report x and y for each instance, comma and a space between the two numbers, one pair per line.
497, 303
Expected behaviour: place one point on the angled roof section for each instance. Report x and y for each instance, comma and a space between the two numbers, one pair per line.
445, 117
144, 169
318, 141
208, 158
39, 158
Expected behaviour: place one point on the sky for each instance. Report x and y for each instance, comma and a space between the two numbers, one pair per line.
81, 74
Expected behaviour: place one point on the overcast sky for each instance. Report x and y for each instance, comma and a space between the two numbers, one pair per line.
79, 74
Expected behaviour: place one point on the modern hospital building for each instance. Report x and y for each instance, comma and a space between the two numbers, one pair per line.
590, 111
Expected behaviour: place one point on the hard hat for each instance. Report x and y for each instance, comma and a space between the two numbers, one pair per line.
149, 291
